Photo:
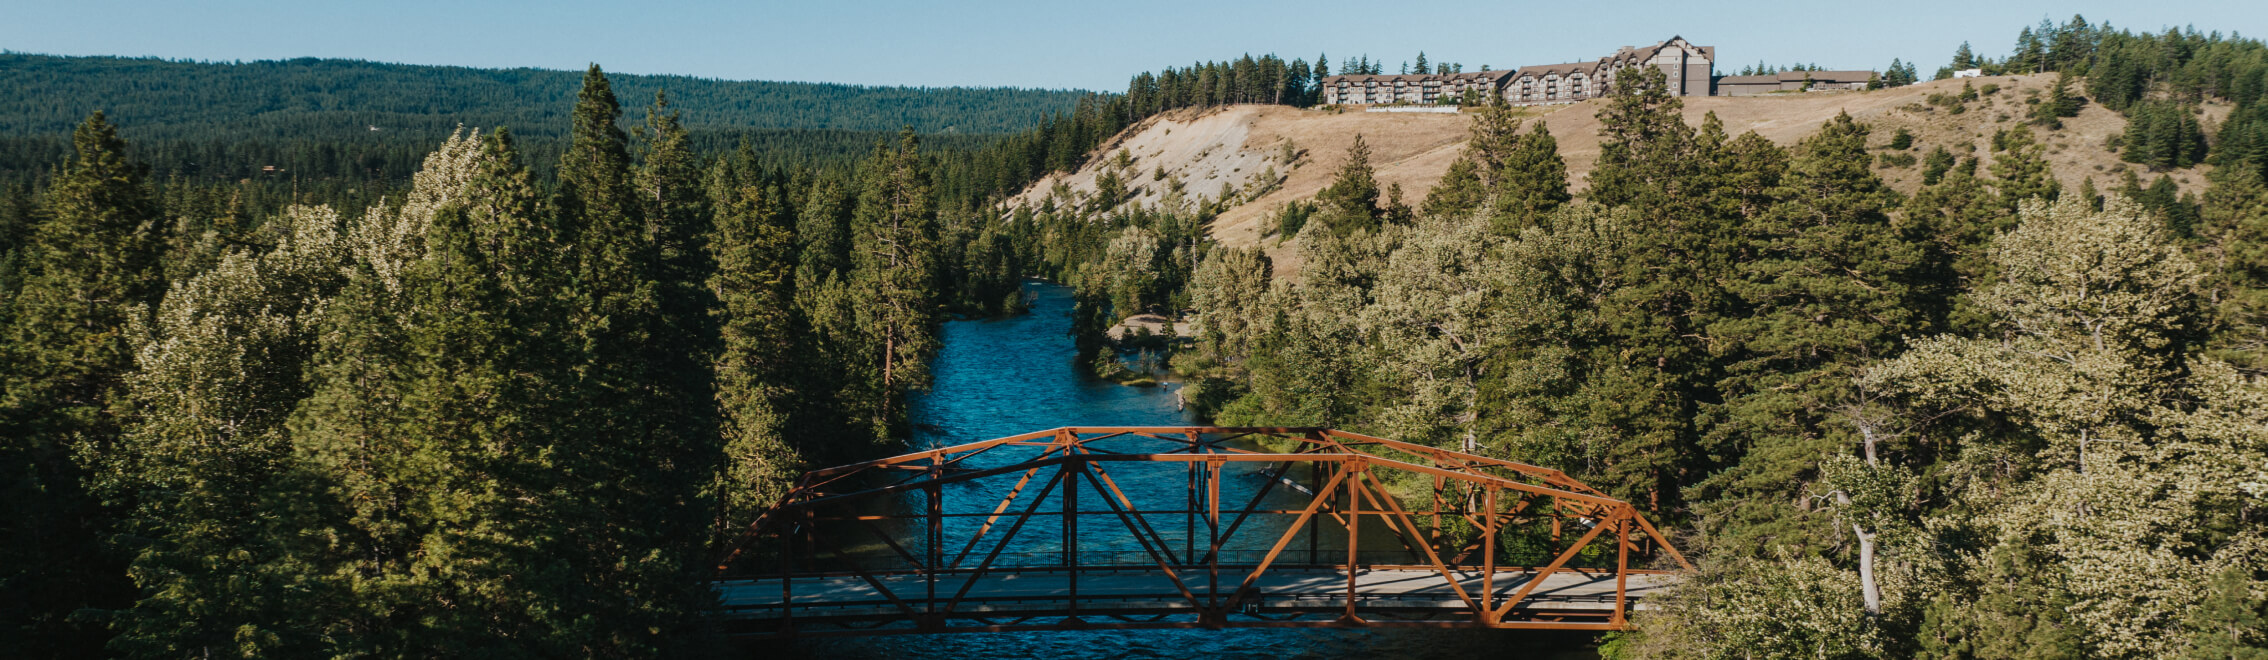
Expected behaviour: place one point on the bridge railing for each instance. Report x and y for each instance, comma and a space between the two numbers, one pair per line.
882, 563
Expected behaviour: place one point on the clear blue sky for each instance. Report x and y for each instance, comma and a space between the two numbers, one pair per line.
1061, 44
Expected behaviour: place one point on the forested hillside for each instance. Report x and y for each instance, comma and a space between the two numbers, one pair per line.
494, 413
1990, 412
511, 396
335, 99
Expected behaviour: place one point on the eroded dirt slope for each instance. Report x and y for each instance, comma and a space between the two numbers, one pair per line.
1239, 145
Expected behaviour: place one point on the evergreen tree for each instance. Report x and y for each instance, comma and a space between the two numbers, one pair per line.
1936, 165
89, 267
1954, 220
753, 247
1523, 173
1644, 144
445, 409
1649, 390
2021, 168
2229, 623
1350, 203
894, 252
234, 561
1459, 191
2235, 228
1830, 289
644, 383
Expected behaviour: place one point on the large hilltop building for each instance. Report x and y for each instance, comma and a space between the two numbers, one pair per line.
1689, 69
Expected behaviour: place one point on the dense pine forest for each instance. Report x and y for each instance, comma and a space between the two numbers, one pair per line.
335, 99
400, 399
1997, 418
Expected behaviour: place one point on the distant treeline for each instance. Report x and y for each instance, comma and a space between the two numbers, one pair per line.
308, 98
2157, 80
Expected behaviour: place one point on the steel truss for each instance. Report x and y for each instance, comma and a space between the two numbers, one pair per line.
906, 576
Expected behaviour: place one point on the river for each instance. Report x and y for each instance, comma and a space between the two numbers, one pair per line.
998, 377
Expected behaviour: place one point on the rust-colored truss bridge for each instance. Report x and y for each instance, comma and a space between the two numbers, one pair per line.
1190, 527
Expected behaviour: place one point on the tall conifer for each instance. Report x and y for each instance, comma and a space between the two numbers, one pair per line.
89, 267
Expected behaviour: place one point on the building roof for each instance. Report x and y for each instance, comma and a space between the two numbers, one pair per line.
1542, 70
1767, 79
1798, 76
1416, 77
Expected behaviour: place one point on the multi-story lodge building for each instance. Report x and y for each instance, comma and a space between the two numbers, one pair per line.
1689, 69
1413, 88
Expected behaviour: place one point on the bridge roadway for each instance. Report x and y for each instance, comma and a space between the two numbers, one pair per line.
1044, 592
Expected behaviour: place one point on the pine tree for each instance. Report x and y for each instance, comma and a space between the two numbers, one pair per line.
1529, 181
644, 386
1936, 165
753, 246
2229, 623
1459, 191
1643, 144
232, 514
2234, 224
894, 252
1350, 203
444, 411
1955, 220
1831, 288
1649, 388
89, 266
2021, 168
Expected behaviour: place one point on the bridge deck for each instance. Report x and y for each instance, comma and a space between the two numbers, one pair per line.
1030, 591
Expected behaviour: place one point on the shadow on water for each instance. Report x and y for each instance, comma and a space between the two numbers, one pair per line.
999, 377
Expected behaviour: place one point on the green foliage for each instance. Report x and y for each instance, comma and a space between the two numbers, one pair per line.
2234, 230
90, 266
893, 256
1831, 285
2019, 164
172, 99
753, 247
1789, 608
2163, 136
2060, 103
234, 559
1936, 165
1459, 192
1350, 203
2229, 623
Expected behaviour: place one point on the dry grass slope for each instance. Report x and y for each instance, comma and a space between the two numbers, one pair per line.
1235, 145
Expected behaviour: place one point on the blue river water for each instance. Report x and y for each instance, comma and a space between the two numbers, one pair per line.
999, 377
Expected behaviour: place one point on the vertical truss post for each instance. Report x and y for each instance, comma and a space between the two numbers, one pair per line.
1213, 466
787, 578
1438, 482
1077, 465
1488, 556
1315, 526
1558, 515
1354, 536
1189, 519
1622, 566
936, 538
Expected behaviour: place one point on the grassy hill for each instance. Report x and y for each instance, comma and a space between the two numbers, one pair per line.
1239, 145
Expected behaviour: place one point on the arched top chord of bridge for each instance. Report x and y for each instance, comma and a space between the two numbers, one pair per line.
1174, 527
